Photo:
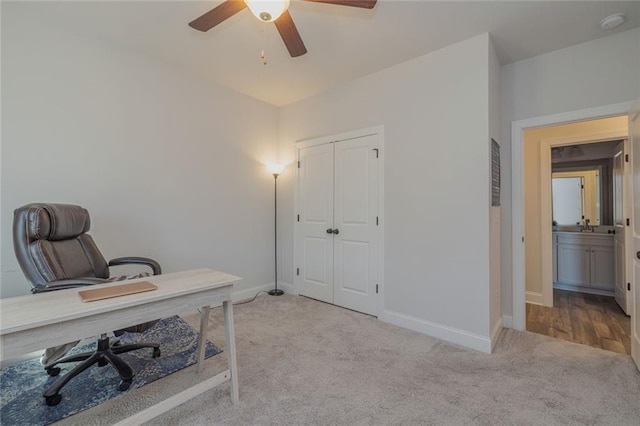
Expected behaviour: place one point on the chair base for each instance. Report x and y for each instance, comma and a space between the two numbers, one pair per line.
107, 353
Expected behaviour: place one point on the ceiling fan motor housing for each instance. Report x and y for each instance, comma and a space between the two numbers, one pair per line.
269, 11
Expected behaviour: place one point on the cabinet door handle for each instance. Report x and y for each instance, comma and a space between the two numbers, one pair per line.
336, 231
329, 231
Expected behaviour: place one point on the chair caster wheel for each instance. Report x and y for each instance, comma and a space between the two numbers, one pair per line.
156, 352
124, 385
53, 400
53, 371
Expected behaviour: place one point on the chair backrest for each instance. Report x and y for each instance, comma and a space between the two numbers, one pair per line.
51, 243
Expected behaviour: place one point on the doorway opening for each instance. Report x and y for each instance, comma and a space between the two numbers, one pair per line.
575, 211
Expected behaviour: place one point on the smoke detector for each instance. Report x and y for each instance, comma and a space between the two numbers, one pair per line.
612, 21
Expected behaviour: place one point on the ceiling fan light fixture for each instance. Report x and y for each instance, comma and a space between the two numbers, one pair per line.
267, 10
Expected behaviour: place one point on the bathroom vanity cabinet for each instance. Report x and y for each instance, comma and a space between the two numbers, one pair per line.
584, 262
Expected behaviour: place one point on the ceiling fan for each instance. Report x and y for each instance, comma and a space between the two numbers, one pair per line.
269, 11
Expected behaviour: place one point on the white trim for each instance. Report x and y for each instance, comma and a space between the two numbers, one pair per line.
243, 295
288, 288
306, 143
495, 333
440, 331
534, 298
507, 321
249, 293
627, 206
517, 191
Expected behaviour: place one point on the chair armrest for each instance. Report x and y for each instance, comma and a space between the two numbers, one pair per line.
155, 266
71, 283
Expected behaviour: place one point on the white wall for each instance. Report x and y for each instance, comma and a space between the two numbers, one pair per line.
494, 218
435, 113
168, 165
596, 73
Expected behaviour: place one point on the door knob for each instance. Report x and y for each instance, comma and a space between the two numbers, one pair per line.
336, 231
638, 254
329, 231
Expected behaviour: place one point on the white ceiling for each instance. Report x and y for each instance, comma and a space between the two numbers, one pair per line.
343, 43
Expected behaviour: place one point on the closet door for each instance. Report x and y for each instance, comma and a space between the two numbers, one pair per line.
315, 186
355, 229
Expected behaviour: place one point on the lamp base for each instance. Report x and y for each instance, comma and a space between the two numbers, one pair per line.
275, 292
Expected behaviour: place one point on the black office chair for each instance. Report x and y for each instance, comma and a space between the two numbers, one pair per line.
55, 252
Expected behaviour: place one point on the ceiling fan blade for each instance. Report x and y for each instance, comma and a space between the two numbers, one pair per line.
366, 4
217, 15
290, 35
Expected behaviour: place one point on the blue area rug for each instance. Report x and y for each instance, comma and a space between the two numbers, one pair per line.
22, 385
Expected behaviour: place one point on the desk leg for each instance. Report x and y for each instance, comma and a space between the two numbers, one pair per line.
204, 322
231, 349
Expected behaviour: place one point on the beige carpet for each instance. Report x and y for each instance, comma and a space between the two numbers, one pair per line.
306, 362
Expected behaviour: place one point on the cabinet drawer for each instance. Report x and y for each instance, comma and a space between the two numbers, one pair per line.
586, 239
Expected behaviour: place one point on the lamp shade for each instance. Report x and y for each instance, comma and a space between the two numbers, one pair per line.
275, 169
267, 10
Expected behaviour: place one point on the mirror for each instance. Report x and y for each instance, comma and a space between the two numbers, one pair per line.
576, 197
582, 178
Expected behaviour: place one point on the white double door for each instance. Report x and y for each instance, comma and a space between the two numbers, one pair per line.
337, 227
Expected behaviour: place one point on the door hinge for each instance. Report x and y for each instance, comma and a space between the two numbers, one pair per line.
376, 150
298, 164
523, 239
582, 186
376, 288
377, 221
297, 271
298, 218
628, 222
628, 286
626, 158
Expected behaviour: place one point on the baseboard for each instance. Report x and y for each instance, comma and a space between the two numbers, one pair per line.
288, 288
507, 321
534, 298
580, 289
495, 332
440, 331
249, 293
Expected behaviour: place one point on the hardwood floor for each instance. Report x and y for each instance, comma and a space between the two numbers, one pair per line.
583, 318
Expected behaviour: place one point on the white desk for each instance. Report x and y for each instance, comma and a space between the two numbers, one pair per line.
33, 322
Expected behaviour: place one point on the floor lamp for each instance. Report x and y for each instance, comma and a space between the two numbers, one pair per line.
275, 170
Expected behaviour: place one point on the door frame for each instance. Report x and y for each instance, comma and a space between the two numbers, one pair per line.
517, 192
305, 143
545, 199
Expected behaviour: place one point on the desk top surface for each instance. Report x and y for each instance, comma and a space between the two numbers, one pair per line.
30, 311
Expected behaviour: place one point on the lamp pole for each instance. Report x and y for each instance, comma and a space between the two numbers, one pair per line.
275, 292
